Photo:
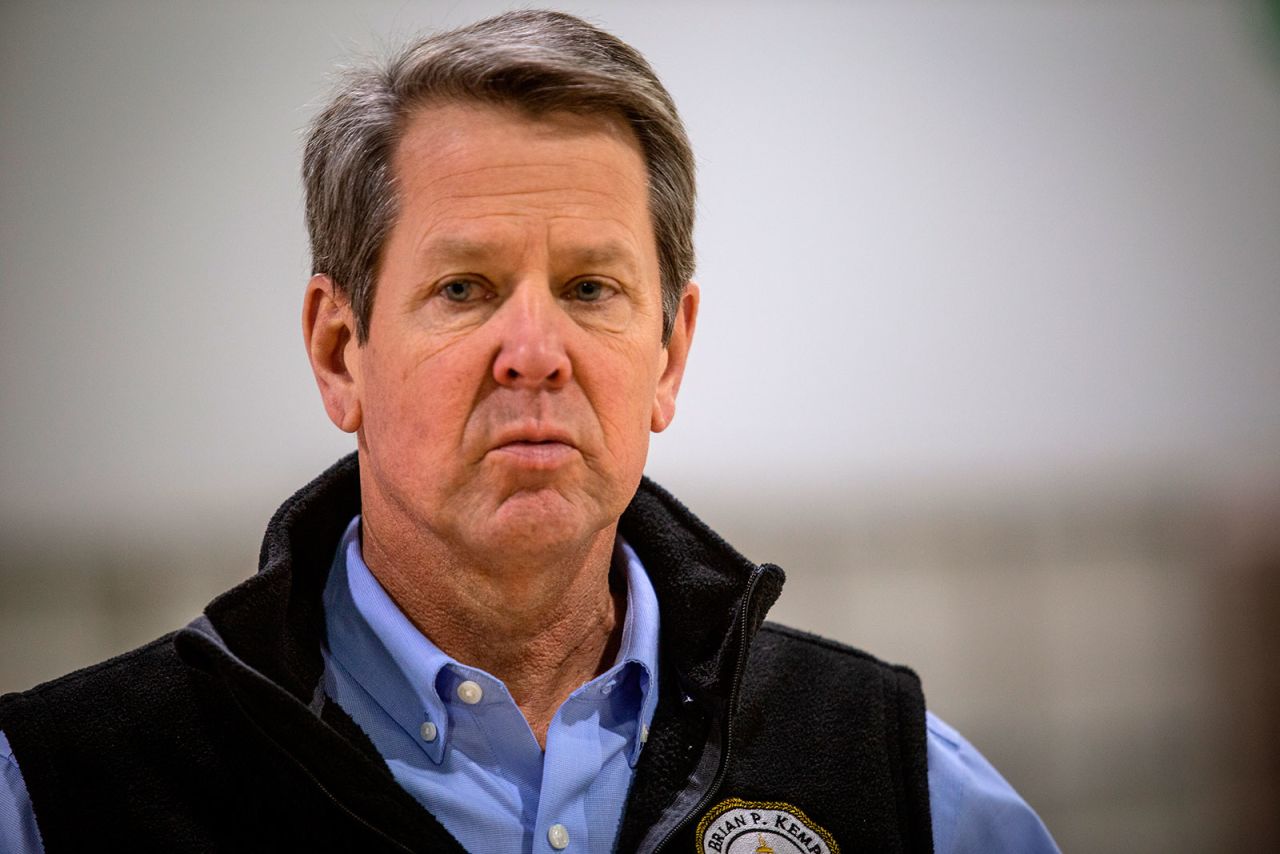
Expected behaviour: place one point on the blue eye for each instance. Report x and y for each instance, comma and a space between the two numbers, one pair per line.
459, 290
588, 290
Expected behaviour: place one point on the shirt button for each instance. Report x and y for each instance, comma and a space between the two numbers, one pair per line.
558, 836
428, 731
470, 692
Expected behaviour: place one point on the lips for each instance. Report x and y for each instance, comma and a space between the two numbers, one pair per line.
534, 435
538, 447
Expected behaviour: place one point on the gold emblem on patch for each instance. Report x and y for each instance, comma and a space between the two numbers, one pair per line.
735, 826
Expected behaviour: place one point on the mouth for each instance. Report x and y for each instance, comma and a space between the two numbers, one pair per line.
535, 448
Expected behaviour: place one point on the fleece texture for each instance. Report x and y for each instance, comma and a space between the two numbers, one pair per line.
218, 737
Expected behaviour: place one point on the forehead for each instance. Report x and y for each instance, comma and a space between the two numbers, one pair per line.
459, 161
446, 128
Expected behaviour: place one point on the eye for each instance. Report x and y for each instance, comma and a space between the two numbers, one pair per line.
588, 290
460, 290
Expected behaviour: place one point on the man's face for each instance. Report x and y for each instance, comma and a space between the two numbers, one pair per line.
514, 366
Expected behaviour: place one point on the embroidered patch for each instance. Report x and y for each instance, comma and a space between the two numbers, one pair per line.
756, 827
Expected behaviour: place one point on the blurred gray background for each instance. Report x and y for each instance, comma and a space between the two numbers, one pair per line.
988, 358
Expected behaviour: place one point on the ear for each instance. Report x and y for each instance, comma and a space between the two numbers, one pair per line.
329, 330
677, 354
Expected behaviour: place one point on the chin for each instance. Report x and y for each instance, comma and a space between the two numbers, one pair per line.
538, 520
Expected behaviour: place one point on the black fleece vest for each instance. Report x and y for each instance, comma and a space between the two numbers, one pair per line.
216, 738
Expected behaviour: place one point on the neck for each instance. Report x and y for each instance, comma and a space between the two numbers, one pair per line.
542, 626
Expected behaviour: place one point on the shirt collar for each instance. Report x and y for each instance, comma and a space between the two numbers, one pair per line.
406, 674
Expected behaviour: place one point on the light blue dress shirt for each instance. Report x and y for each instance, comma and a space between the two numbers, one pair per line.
455, 739
478, 768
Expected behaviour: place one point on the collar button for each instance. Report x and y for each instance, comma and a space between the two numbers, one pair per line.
470, 692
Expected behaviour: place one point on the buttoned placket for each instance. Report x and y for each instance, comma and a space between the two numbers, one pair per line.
562, 808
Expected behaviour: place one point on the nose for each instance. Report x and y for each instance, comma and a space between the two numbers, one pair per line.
531, 352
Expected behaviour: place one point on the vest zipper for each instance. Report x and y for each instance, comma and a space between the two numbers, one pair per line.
734, 687
302, 766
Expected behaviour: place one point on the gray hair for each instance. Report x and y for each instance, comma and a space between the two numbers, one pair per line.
536, 60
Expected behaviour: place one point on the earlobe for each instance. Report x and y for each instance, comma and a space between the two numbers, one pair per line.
328, 329
677, 355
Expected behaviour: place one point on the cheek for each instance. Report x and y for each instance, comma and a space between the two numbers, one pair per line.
396, 398
627, 389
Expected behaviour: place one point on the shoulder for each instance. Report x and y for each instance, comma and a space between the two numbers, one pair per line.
972, 807
119, 695
821, 683
121, 737
117, 679
53, 736
783, 649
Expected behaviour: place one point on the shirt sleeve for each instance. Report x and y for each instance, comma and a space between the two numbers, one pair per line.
18, 831
973, 809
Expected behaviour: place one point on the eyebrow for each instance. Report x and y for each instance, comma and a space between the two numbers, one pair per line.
603, 255
458, 248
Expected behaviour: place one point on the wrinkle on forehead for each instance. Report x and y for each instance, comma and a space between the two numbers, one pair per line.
585, 251
551, 190
453, 247
448, 132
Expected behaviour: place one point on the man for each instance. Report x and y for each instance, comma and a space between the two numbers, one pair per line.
484, 631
